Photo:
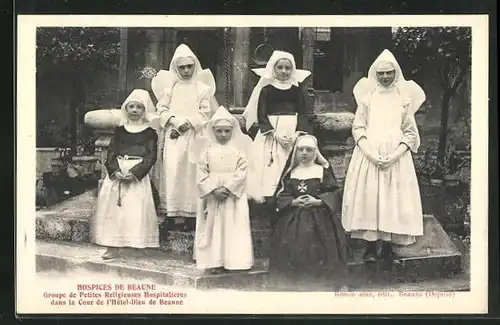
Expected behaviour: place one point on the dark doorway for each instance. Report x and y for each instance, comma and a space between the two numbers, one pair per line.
328, 59
283, 39
206, 44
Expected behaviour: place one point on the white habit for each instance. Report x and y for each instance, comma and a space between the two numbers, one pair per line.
384, 204
223, 235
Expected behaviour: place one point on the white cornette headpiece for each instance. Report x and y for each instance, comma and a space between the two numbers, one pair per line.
409, 89
267, 78
164, 80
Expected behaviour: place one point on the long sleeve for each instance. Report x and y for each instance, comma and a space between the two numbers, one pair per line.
111, 163
360, 123
142, 169
204, 110
206, 184
410, 132
262, 118
305, 115
285, 198
165, 114
330, 192
237, 184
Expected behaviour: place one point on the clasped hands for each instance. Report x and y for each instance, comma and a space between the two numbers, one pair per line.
124, 177
306, 201
285, 140
179, 127
221, 193
382, 161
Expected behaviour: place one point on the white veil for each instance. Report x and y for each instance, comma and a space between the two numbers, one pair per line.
408, 88
240, 140
164, 81
140, 96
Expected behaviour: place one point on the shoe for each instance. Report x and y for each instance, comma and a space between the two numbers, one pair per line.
216, 270
110, 253
370, 254
387, 253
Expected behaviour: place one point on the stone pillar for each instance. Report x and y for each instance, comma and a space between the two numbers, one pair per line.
308, 61
122, 74
103, 122
154, 53
228, 48
240, 60
170, 43
101, 145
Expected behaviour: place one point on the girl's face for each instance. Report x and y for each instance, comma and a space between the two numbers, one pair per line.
135, 111
283, 69
305, 154
185, 67
385, 78
223, 134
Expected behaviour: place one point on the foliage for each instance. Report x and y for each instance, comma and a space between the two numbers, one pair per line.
424, 163
76, 71
453, 162
446, 53
428, 49
76, 47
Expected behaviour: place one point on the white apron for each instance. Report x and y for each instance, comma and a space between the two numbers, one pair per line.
134, 223
383, 204
177, 188
268, 157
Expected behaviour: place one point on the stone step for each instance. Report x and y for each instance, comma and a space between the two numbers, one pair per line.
434, 254
153, 265
171, 270
73, 226
330, 102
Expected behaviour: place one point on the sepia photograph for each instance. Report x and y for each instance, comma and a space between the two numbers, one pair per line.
326, 162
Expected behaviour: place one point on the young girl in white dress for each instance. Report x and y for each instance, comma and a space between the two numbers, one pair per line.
125, 214
223, 238
278, 106
381, 196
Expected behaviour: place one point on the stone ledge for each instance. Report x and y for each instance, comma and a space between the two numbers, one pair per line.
159, 267
107, 119
166, 269
72, 225
434, 254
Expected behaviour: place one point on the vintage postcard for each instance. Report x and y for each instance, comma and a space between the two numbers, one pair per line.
221, 164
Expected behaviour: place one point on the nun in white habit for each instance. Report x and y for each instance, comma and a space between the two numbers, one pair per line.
381, 196
185, 104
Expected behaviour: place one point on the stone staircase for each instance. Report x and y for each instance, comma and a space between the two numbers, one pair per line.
63, 244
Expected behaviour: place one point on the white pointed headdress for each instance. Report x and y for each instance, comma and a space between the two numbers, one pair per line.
408, 88
223, 117
164, 80
140, 96
267, 78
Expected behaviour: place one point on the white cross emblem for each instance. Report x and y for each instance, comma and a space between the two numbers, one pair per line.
302, 187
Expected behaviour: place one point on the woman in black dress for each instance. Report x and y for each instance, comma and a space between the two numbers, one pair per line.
308, 244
